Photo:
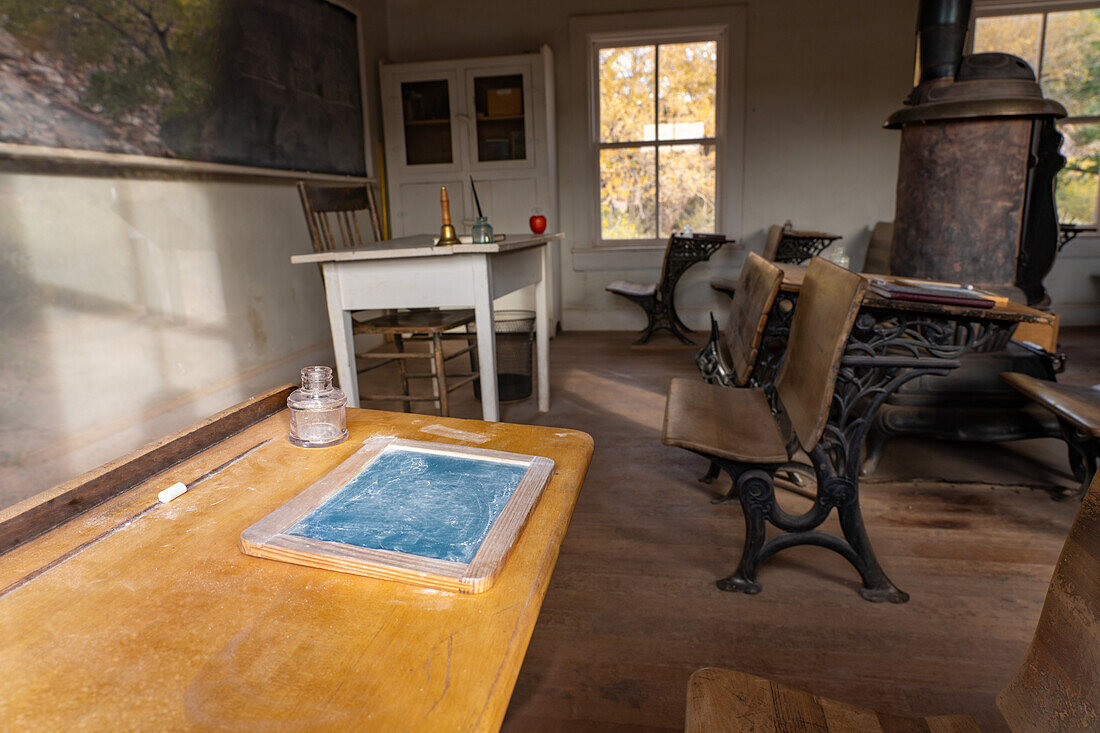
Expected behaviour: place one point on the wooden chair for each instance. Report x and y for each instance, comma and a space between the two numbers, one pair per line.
658, 299
736, 428
1078, 413
1057, 688
331, 215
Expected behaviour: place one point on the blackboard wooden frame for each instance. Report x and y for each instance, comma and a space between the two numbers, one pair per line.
267, 538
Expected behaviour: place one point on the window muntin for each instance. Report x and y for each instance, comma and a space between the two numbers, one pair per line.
656, 151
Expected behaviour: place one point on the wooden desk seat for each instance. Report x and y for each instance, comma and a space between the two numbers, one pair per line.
730, 358
736, 428
631, 290
698, 418
1057, 688
783, 245
658, 299
1078, 413
727, 701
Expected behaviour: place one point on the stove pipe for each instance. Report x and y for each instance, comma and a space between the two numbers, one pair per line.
941, 35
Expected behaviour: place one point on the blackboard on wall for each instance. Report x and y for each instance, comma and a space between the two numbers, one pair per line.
262, 83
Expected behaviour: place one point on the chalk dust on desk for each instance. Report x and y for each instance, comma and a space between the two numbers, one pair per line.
448, 432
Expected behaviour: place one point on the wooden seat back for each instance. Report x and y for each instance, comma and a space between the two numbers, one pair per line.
330, 215
877, 259
771, 242
664, 264
1058, 685
827, 305
749, 309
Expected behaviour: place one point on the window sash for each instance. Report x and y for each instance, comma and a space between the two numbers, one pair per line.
655, 39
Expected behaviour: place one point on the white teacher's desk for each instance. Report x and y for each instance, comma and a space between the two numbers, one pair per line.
411, 272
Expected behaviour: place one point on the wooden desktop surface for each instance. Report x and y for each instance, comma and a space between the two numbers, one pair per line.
793, 275
423, 245
164, 624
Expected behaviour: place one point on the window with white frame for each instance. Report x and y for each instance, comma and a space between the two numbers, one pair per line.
657, 103
1061, 41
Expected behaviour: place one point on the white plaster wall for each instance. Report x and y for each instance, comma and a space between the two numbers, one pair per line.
821, 78
131, 307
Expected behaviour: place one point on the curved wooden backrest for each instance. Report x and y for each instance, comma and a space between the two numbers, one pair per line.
1058, 685
749, 308
330, 216
877, 259
771, 242
827, 305
665, 262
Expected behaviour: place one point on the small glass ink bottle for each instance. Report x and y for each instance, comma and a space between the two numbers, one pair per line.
482, 231
317, 411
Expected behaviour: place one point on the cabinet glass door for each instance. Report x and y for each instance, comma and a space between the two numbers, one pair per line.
426, 107
501, 124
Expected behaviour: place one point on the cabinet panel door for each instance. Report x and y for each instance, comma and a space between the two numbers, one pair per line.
501, 131
420, 213
420, 110
508, 203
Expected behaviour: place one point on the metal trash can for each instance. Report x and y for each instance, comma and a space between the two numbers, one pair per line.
515, 336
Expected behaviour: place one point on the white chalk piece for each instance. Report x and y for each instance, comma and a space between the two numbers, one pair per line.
172, 492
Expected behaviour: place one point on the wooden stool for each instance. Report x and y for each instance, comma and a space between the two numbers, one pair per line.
423, 323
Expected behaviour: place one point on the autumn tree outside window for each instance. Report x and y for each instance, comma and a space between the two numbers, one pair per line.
656, 130
1061, 42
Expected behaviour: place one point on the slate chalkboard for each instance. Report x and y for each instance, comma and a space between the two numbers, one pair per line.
427, 513
417, 502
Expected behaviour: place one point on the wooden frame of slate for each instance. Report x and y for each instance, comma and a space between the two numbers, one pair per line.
410, 511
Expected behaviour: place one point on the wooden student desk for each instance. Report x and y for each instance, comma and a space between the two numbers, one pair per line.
165, 625
892, 342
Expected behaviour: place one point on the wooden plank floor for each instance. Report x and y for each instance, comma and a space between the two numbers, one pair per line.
632, 608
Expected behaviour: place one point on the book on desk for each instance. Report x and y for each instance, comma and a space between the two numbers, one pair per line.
932, 292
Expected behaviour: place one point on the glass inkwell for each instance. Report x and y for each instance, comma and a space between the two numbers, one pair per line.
482, 231
317, 410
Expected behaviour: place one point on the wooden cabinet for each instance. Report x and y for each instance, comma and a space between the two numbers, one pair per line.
491, 119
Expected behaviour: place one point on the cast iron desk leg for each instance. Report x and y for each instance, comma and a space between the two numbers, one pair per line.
885, 350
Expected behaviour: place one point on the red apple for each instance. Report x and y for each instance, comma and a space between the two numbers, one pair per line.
538, 223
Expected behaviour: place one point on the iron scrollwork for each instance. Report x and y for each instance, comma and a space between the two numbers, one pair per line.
887, 347
797, 247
